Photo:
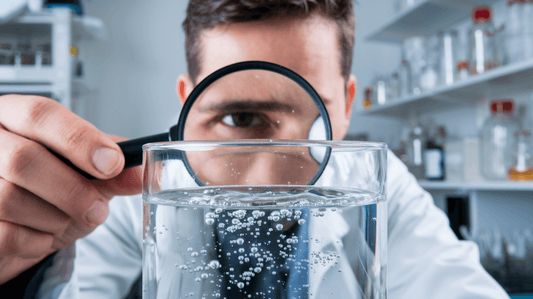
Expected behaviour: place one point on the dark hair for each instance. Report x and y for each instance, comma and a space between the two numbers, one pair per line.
207, 14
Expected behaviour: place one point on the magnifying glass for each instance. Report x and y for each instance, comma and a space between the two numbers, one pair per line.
246, 100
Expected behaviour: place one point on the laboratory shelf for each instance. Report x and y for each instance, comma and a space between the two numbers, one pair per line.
425, 18
83, 27
27, 74
505, 81
79, 87
480, 185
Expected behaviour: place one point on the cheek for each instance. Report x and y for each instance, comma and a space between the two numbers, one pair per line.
337, 117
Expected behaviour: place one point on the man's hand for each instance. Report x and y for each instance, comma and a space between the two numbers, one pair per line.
44, 204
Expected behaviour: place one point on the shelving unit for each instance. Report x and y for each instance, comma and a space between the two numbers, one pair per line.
424, 18
503, 81
64, 29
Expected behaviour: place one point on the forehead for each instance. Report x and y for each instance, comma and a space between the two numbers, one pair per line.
309, 46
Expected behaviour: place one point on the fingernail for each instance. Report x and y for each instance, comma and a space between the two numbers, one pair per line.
98, 213
105, 160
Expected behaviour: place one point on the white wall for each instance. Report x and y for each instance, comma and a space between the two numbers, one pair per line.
134, 70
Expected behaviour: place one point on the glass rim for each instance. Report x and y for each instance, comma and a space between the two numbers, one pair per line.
207, 144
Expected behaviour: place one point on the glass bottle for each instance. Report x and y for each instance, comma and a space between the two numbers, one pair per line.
414, 149
497, 139
485, 52
522, 169
381, 90
448, 57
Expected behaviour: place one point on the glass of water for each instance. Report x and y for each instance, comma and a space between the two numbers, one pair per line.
264, 219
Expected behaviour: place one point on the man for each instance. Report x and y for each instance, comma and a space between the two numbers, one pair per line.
46, 206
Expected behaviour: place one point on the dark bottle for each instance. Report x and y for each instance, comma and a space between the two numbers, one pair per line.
434, 154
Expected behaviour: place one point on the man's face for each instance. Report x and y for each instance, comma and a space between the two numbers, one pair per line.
308, 46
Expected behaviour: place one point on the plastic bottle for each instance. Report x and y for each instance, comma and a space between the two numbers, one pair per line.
497, 140
485, 53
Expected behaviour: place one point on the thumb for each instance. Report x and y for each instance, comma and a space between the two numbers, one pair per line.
128, 182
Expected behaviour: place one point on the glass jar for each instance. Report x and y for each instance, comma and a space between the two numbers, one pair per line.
251, 228
485, 52
518, 31
414, 149
522, 169
497, 140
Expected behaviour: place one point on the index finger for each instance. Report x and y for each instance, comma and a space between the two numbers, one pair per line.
58, 129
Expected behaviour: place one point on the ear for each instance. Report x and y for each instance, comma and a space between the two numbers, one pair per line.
351, 91
184, 87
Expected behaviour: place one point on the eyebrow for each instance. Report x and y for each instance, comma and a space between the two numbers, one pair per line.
246, 106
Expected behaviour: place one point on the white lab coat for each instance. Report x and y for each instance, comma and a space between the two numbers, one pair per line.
425, 259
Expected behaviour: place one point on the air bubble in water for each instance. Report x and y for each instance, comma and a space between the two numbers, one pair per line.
279, 226
214, 264
253, 249
257, 269
240, 241
301, 221
240, 284
194, 254
204, 276
189, 249
209, 221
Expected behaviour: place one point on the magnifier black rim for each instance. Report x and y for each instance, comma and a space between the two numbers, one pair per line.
176, 133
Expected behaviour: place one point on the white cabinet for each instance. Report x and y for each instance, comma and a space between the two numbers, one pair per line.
57, 80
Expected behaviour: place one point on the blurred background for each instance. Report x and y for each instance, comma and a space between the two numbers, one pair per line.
445, 83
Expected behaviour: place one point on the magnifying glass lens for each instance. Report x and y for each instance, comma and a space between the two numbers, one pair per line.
254, 104
251, 104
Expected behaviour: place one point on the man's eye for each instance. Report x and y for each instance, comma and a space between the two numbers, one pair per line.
242, 120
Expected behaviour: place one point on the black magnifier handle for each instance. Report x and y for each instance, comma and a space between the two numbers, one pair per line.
132, 150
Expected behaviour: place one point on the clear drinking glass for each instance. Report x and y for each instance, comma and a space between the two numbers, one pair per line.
264, 219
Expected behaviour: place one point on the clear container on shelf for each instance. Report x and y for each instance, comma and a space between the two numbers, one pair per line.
454, 158
381, 90
497, 140
448, 44
415, 54
414, 149
519, 31
395, 86
404, 72
485, 52
429, 79
522, 169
